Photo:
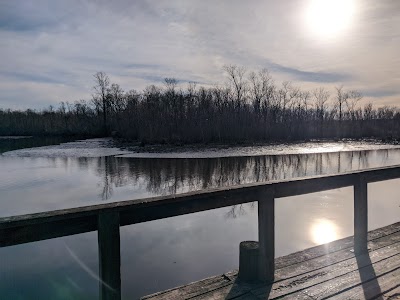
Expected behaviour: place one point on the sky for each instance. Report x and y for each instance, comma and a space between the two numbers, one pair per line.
50, 49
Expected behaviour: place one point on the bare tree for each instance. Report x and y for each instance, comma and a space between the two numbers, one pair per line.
261, 88
353, 97
117, 100
321, 97
236, 77
368, 111
171, 84
302, 103
341, 99
285, 96
191, 88
102, 83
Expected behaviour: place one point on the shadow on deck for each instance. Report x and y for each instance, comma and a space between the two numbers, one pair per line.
330, 271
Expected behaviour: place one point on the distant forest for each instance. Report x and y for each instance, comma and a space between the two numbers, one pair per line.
250, 107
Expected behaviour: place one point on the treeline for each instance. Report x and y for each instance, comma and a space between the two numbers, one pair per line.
68, 119
249, 107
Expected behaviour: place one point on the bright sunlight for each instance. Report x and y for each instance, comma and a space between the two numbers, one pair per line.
328, 18
323, 231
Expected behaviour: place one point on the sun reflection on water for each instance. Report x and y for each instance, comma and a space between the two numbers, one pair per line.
323, 231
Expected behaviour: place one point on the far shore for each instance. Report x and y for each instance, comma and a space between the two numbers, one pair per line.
178, 149
139, 147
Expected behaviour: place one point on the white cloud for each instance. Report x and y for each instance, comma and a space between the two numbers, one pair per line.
51, 50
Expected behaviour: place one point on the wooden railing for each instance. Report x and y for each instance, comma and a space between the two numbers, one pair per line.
107, 218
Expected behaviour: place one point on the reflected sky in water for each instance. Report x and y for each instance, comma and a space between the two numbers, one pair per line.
165, 253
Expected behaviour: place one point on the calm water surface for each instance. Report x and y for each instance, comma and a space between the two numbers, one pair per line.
162, 254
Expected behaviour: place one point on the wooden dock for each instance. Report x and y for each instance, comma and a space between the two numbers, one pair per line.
330, 271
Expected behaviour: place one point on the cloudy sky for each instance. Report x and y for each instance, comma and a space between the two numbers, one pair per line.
50, 49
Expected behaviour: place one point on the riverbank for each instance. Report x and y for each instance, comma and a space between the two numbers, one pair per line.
97, 147
253, 149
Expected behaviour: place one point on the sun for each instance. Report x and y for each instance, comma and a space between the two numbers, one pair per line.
323, 231
328, 18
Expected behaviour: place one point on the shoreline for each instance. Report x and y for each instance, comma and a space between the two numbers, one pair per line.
137, 147
109, 146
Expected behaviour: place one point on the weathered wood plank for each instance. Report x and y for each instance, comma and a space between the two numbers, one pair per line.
46, 230
352, 279
317, 263
109, 256
360, 216
392, 294
332, 247
232, 275
380, 175
248, 296
232, 291
382, 287
192, 289
326, 275
383, 231
181, 204
266, 237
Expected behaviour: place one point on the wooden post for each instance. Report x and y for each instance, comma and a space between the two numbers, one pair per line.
248, 261
109, 256
266, 236
360, 216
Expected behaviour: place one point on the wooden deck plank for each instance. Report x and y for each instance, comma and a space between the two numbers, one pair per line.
340, 284
192, 289
328, 259
320, 251
313, 273
374, 288
324, 275
248, 296
393, 294
232, 291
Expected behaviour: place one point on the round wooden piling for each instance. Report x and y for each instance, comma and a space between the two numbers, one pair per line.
248, 261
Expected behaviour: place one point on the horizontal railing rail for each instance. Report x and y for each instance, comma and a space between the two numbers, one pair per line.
107, 218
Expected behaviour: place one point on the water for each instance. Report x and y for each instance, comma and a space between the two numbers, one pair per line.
165, 253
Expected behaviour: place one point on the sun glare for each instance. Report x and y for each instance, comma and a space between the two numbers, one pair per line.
328, 18
323, 231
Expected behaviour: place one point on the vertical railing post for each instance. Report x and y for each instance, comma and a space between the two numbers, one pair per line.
360, 216
266, 236
109, 256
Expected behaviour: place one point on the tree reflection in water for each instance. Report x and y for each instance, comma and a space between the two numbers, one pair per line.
172, 176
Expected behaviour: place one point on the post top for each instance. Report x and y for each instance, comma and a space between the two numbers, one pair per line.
249, 245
